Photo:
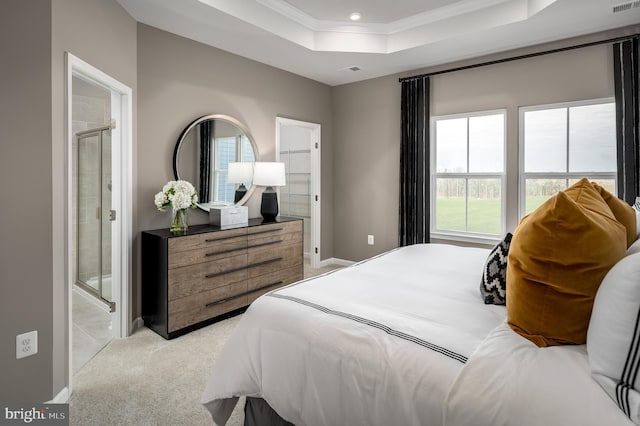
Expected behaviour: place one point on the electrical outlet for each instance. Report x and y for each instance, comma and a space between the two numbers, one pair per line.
370, 240
26, 344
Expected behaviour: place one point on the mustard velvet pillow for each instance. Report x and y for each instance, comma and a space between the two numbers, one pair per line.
624, 213
558, 257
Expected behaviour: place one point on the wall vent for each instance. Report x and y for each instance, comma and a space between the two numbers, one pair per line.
623, 7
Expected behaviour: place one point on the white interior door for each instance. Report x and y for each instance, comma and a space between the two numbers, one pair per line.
298, 147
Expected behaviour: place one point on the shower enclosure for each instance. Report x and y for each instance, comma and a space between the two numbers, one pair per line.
93, 214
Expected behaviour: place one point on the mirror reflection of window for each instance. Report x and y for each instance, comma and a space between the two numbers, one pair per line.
229, 150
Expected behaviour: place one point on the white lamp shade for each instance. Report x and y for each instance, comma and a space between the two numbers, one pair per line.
240, 172
269, 174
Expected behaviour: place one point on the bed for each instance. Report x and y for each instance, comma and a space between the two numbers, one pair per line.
406, 338
390, 341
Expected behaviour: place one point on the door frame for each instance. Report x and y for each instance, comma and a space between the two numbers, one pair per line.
122, 182
316, 144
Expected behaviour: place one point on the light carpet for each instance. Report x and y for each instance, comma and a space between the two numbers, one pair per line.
146, 380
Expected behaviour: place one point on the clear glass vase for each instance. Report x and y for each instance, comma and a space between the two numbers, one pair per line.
179, 221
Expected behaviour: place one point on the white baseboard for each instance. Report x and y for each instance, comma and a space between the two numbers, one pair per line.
137, 324
61, 398
335, 261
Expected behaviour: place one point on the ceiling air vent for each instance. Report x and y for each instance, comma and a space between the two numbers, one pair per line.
351, 68
623, 7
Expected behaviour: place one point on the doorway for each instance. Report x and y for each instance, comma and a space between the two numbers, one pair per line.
92, 294
99, 221
298, 147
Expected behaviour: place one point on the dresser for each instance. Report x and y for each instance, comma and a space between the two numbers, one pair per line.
208, 274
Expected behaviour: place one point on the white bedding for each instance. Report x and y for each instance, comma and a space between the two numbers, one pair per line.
376, 343
510, 381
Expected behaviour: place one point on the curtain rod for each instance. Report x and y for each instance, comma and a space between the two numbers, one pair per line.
516, 58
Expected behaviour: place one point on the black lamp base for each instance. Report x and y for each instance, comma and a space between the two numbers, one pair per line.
240, 193
269, 206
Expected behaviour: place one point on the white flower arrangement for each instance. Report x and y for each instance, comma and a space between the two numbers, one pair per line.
176, 194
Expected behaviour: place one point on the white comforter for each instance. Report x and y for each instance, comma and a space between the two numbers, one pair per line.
377, 343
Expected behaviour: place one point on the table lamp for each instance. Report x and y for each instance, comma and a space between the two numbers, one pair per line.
240, 173
269, 175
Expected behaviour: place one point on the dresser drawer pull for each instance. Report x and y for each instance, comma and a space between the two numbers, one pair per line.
213, 253
211, 240
228, 271
266, 232
226, 299
266, 262
264, 244
265, 286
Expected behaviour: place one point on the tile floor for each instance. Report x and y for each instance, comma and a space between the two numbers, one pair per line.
91, 328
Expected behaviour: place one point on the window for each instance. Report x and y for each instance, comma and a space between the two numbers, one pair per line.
229, 150
562, 143
468, 164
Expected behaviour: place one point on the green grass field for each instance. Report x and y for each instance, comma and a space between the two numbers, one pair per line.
484, 214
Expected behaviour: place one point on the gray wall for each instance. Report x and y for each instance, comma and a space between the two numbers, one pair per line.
33, 294
25, 170
103, 34
180, 80
366, 158
367, 128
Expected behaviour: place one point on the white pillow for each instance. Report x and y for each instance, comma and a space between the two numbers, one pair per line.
636, 207
634, 248
613, 339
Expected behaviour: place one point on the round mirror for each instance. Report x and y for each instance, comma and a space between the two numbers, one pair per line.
202, 156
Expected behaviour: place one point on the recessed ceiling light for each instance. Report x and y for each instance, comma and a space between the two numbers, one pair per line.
355, 16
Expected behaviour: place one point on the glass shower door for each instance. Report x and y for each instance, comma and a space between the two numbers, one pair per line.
93, 236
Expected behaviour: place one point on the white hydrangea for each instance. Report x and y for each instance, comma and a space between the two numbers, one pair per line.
176, 194
184, 187
169, 186
181, 200
160, 200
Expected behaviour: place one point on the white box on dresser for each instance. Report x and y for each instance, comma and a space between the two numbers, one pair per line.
229, 216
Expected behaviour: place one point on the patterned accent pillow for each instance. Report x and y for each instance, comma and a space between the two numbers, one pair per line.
636, 207
493, 286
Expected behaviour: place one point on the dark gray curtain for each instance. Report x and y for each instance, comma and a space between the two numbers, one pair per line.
206, 145
414, 162
627, 80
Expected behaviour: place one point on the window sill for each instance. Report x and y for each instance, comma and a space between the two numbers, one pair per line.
480, 240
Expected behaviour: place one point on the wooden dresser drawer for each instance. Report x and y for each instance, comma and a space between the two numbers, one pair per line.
276, 232
191, 279
230, 238
202, 306
208, 254
264, 260
272, 280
